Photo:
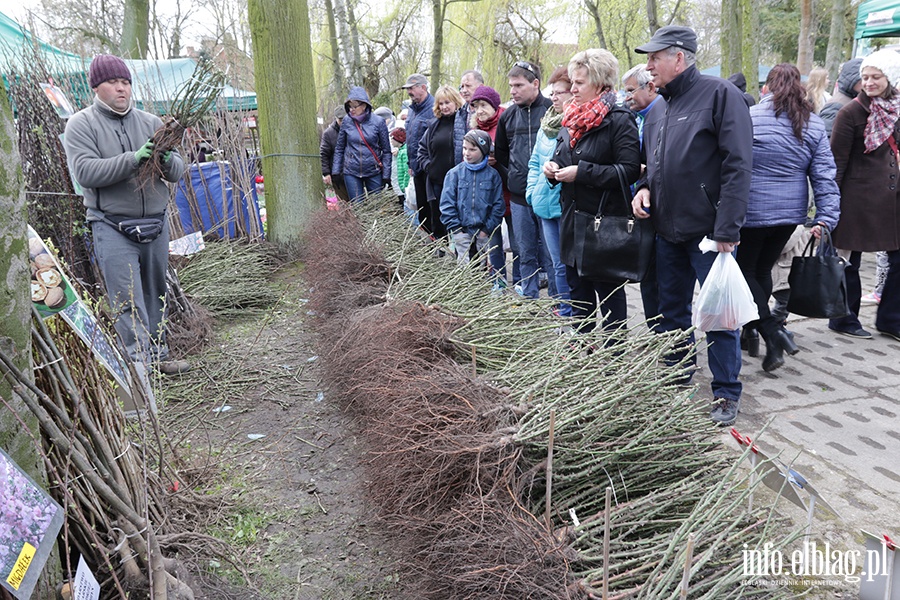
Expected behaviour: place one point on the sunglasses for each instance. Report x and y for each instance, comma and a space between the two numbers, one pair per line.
527, 66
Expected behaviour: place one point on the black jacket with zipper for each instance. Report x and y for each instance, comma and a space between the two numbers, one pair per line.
516, 133
698, 148
614, 141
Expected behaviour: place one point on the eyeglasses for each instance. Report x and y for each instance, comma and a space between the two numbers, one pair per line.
631, 92
355, 104
528, 67
560, 93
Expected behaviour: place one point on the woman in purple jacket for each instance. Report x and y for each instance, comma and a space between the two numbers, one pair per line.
362, 153
790, 152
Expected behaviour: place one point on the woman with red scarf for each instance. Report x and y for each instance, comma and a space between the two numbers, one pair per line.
865, 141
596, 134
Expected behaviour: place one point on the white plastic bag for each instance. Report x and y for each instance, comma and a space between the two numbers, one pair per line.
724, 302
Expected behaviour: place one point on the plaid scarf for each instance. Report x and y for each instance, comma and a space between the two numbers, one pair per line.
581, 118
883, 116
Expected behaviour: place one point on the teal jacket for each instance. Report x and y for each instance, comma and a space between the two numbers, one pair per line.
543, 198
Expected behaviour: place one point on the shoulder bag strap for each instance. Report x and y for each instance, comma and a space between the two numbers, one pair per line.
363, 138
626, 192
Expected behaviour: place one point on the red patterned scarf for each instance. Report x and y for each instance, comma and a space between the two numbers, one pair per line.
581, 118
883, 116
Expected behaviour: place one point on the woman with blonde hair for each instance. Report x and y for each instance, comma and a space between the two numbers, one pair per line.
596, 135
816, 93
440, 149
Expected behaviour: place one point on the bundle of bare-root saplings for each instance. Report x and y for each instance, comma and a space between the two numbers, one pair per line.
505, 460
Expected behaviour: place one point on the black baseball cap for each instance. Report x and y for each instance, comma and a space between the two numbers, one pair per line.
671, 35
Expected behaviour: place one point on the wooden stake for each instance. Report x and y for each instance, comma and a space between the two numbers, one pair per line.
474, 363
550, 469
686, 579
607, 514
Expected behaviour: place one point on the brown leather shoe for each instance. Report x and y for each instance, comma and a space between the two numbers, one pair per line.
173, 367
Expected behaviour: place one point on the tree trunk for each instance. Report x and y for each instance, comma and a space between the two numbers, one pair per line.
15, 319
437, 13
338, 81
805, 41
135, 29
348, 34
731, 38
835, 51
282, 60
750, 45
594, 11
356, 65
652, 19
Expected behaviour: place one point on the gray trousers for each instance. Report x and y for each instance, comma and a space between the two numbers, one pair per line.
135, 278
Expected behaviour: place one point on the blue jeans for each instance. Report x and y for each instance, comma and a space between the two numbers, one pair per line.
678, 267
550, 229
532, 254
497, 256
358, 186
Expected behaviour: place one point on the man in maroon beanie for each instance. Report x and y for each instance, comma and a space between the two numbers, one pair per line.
105, 145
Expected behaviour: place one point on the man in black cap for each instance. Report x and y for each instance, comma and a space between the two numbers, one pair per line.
326, 151
421, 114
698, 148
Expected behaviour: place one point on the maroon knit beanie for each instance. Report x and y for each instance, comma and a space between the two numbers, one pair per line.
399, 135
105, 67
488, 94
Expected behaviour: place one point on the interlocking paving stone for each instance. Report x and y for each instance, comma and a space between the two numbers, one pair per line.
836, 409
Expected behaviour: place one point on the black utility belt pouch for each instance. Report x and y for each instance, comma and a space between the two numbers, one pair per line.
141, 231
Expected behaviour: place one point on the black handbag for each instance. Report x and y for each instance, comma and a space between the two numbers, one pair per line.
817, 282
614, 248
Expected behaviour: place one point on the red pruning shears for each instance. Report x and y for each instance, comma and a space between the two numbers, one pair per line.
744, 440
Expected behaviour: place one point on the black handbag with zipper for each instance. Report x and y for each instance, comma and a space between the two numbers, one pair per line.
817, 281
615, 248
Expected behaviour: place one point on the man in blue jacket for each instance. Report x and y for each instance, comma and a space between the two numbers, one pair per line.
698, 148
421, 114
106, 144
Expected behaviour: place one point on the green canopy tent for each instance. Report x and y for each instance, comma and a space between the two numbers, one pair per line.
155, 83
874, 19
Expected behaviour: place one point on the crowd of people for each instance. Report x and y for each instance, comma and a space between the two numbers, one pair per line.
695, 154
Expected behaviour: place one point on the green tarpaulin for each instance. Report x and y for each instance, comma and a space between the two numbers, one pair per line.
154, 82
878, 18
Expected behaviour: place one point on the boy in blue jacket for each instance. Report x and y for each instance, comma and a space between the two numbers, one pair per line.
472, 200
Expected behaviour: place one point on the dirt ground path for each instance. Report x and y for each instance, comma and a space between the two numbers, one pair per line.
284, 459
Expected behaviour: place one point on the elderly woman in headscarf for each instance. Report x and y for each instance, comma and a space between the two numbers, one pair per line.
865, 142
596, 134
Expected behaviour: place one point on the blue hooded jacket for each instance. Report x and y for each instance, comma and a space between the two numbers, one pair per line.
355, 154
472, 200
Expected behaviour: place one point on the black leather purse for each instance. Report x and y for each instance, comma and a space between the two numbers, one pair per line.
818, 286
615, 248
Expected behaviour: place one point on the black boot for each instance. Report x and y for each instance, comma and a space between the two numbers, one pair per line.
774, 354
777, 343
786, 341
750, 341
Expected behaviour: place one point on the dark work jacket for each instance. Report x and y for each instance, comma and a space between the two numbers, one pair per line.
326, 148
615, 141
698, 148
870, 201
514, 141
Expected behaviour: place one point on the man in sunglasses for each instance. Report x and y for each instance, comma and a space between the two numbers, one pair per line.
516, 134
